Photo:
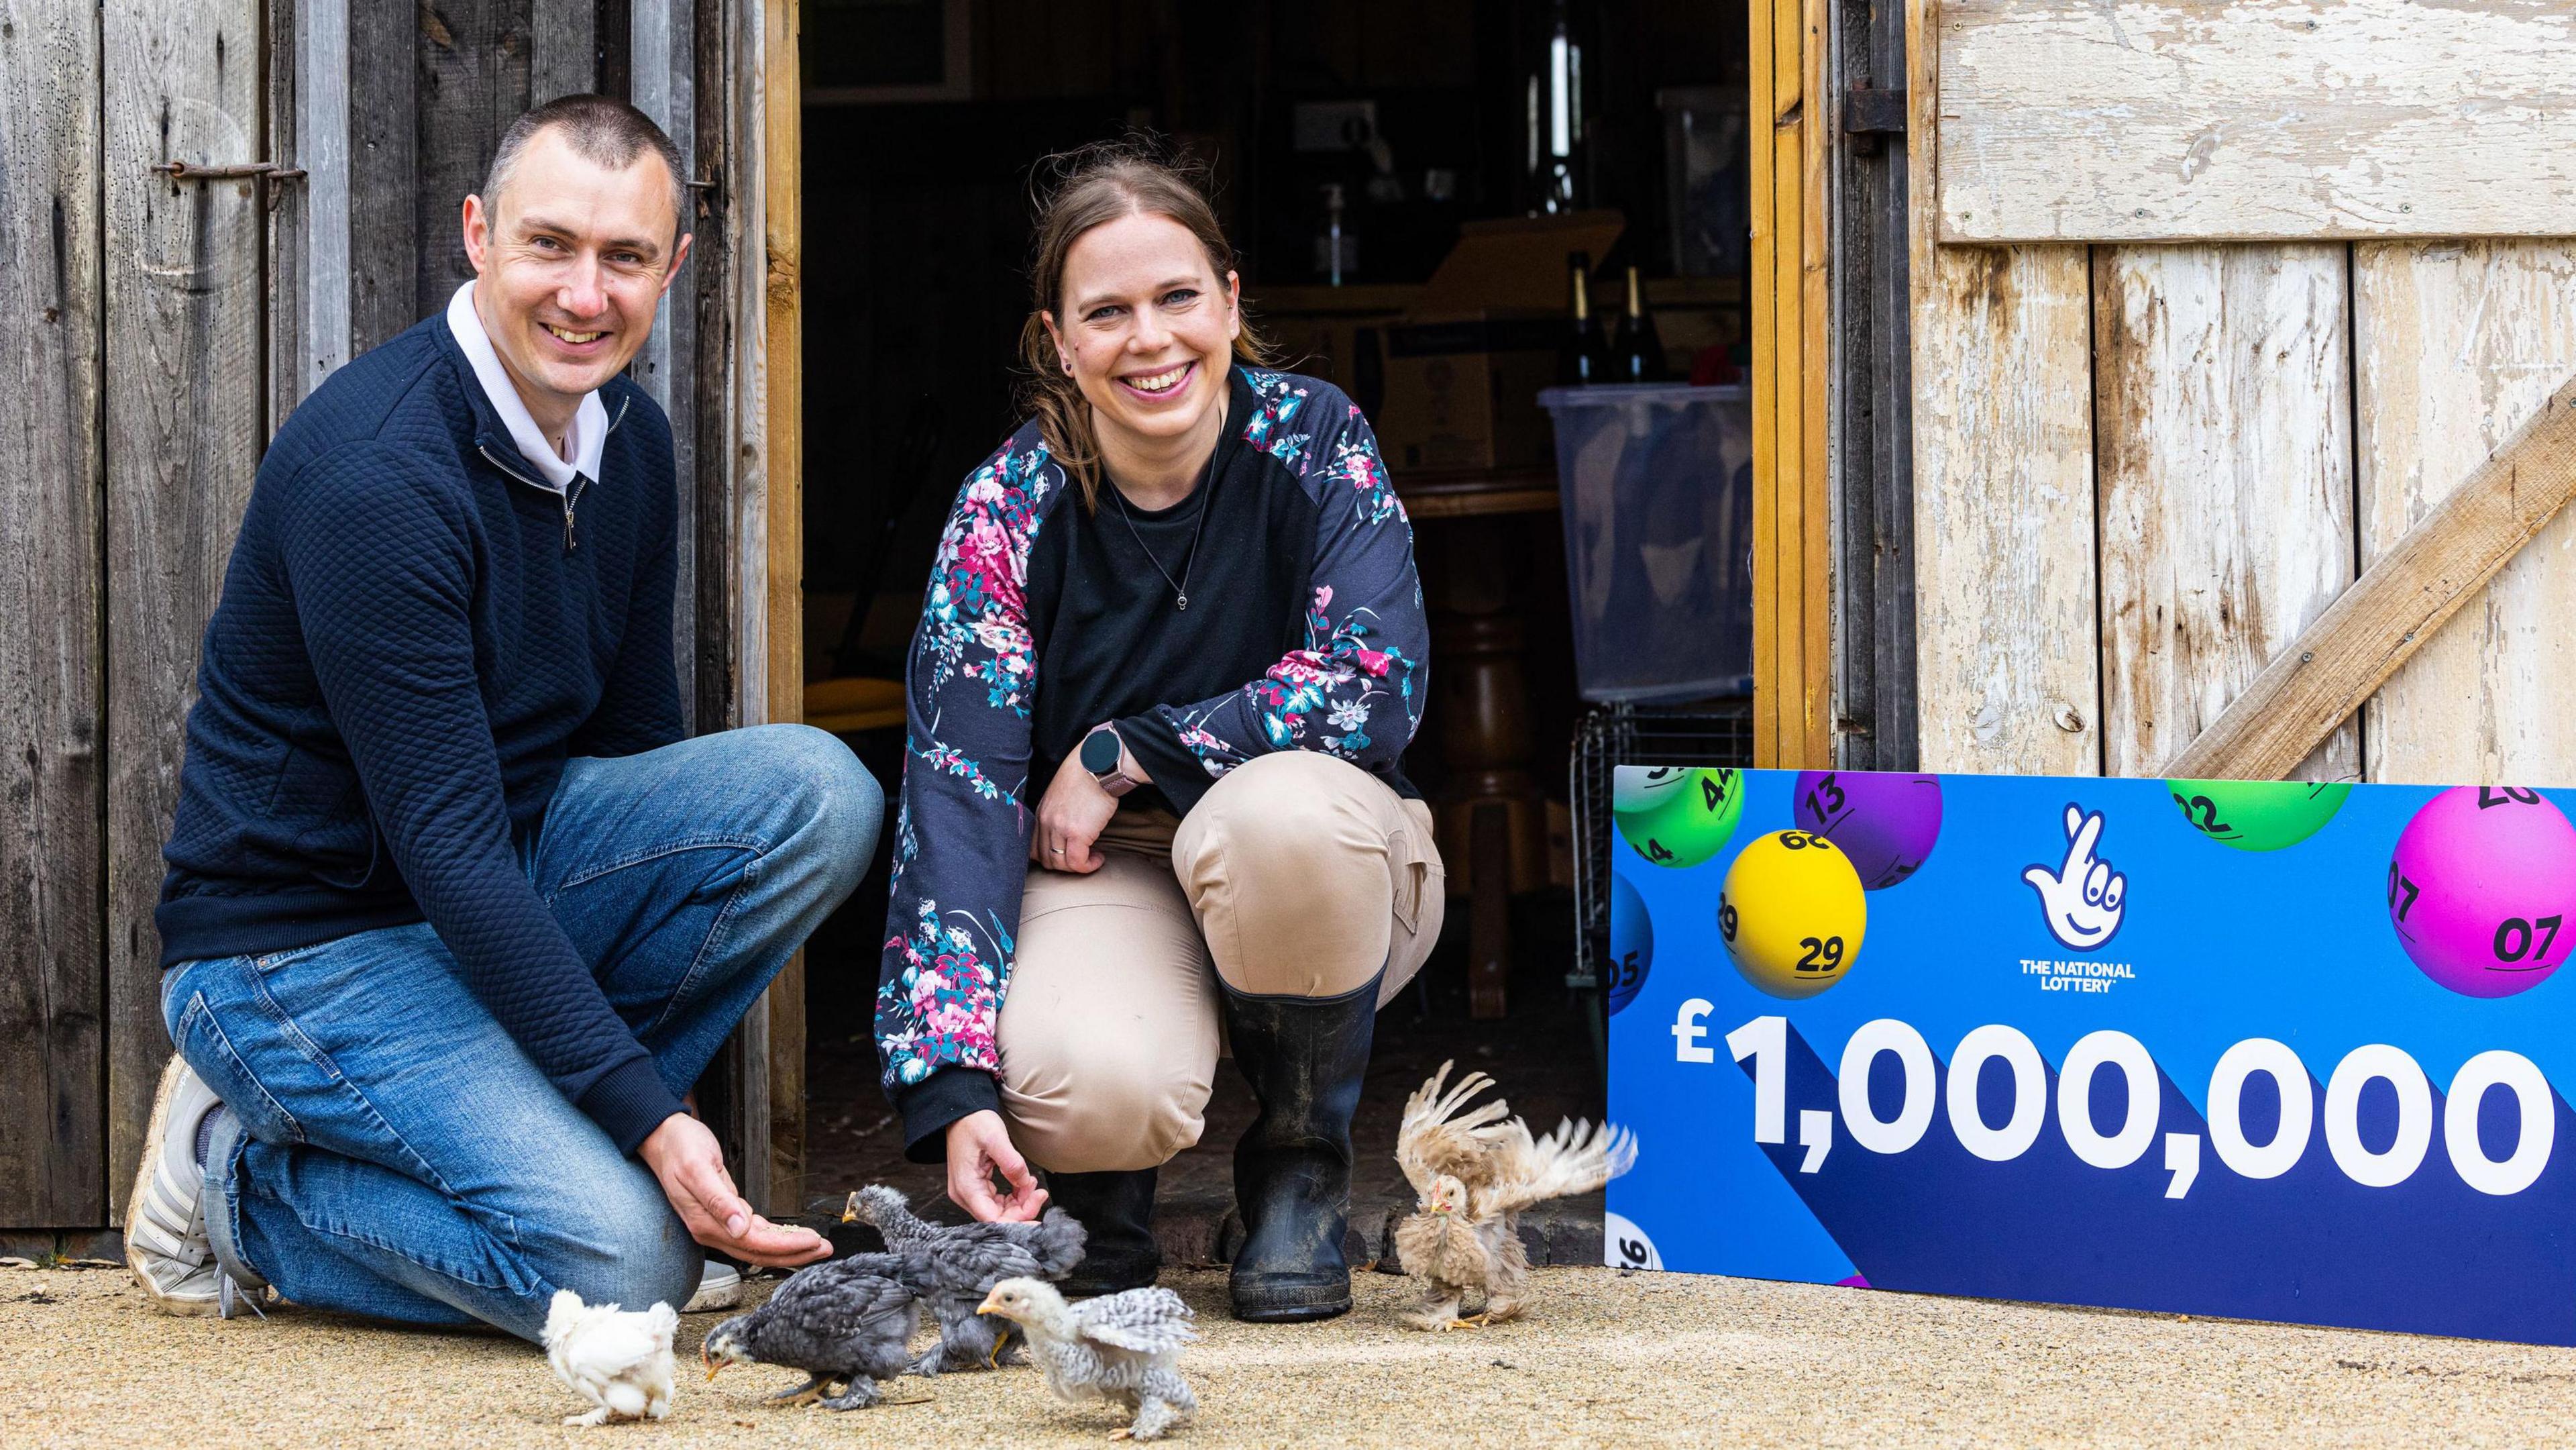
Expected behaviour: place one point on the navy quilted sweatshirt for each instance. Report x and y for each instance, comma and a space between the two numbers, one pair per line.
414, 635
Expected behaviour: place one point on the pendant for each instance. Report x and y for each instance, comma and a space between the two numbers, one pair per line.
1183, 602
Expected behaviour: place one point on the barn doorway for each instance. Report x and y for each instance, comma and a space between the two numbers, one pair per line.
1352, 147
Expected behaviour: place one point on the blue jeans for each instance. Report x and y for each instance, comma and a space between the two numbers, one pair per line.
392, 1152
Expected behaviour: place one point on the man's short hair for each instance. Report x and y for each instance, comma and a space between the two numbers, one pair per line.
601, 129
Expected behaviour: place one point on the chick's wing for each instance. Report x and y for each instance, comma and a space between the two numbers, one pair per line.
1437, 1138
1149, 1321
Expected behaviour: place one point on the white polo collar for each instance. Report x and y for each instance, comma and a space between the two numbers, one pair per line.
585, 440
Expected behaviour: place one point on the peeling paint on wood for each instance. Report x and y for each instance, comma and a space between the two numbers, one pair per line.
2222, 417
2007, 676
2460, 343
2171, 120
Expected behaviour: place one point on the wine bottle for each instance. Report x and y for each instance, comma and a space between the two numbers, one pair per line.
1582, 359
1636, 353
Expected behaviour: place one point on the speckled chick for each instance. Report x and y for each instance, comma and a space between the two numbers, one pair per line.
1124, 1348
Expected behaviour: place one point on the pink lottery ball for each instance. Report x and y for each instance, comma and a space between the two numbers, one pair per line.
2482, 889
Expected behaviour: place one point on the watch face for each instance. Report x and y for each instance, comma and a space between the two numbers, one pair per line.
1100, 752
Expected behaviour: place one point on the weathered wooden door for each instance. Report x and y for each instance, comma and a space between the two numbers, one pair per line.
205, 207
133, 296
2212, 303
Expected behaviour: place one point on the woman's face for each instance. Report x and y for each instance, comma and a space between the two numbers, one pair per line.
1147, 328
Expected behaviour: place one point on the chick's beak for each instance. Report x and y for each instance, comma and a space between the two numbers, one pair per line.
850, 1209
710, 1362
989, 1306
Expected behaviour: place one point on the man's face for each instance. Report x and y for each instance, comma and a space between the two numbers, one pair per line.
572, 258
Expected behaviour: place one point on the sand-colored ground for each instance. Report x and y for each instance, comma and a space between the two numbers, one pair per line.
1607, 1360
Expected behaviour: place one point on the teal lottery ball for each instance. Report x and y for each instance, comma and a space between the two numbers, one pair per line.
1632, 945
2258, 815
1677, 815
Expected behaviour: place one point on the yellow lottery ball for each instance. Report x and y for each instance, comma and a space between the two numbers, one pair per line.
1791, 913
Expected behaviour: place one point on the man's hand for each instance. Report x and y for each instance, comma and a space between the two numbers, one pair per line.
1069, 820
686, 1158
979, 1147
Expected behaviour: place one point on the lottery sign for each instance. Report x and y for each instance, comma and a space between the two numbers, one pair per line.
2264, 1050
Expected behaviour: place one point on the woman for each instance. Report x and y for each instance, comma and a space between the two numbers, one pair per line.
1178, 610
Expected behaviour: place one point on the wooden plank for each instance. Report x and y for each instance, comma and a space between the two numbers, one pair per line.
185, 425
1791, 546
1806, 737
472, 82
2459, 342
664, 87
290, 208
2166, 120
715, 258
1764, 105
2406, 594
2223, 433
52, 1052
563, 48
1873, 514
382, 214
2003, 485
783, 509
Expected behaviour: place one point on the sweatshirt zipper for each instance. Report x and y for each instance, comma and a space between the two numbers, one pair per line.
570, 495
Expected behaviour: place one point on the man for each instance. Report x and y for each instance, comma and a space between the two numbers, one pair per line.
454, 915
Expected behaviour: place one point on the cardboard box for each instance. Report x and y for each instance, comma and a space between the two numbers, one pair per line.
1464, 368
1462, 393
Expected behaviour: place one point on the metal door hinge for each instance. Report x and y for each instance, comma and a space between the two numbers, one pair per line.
229, 171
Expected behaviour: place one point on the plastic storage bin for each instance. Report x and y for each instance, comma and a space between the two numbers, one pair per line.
1656, 481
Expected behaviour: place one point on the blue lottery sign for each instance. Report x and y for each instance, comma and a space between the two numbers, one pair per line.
2264, 1050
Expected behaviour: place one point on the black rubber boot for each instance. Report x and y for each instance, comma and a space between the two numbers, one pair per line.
1305, 1058
1116, 1211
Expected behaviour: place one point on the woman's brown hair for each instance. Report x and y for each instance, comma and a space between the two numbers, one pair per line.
1076, 191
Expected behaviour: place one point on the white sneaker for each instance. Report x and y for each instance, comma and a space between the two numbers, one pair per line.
165, 1229
719, 1287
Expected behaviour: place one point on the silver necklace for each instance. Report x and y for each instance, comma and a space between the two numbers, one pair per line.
1180, 586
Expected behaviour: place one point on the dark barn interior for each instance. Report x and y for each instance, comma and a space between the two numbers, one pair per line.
923, 123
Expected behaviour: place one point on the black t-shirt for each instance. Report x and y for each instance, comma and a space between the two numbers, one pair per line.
1115, 645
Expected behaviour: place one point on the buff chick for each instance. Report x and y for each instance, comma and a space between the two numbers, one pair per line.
1473, 1170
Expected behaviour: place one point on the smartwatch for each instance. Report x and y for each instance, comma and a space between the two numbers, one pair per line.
1099, 755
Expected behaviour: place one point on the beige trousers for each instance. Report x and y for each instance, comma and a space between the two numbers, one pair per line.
1297, 875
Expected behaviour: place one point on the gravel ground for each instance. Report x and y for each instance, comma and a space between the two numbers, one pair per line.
1609, 1359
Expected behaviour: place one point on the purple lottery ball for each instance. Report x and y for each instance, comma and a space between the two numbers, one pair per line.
1885, 823
2482, 889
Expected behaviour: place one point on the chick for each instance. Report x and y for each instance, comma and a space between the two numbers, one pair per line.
843, 1320
619, 1360
952, 1267
1123, 1348
1474, 1172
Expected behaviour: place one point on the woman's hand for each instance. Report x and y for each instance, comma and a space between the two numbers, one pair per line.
1070, 819
978, 1147
685, 1157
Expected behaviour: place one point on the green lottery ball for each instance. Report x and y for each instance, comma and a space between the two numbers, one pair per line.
1677, 815
2258, 815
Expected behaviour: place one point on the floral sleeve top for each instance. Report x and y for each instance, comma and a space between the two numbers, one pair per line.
1350, 683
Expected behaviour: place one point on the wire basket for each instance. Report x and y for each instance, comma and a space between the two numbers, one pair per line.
1716, 733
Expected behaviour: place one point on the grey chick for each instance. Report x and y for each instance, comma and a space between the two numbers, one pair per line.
953, 1267
843, 1320
1124, 1348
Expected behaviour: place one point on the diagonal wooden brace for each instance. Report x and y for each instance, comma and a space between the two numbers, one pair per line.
2392, 609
